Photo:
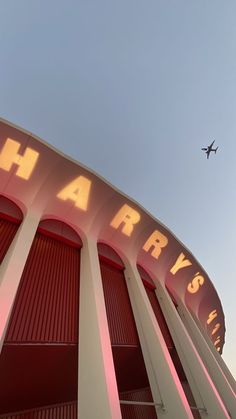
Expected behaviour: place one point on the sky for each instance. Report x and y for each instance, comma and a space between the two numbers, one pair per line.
133, 89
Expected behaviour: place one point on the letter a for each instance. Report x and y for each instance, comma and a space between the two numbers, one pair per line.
77, 191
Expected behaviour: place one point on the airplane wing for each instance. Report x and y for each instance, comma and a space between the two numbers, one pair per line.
211, 144
208, 154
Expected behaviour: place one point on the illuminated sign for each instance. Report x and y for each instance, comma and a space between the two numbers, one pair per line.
9, 156
196, 283
180, 263
156, 241
217, 340
212, 315
198, 279
126, 216
77, 191
216, 328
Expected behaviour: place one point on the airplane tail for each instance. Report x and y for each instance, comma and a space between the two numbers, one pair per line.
216, 149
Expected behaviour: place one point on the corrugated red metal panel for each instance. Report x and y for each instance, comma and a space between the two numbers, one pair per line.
138, 412
130, 368
7, 233
46, 306
10, 218
109, 255
59, 229
37, 375
160, 318
146, 277
119, 312
61, 411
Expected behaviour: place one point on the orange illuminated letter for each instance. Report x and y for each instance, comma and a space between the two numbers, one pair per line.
217, 340
212, 315
195, 284
126, 216
180, 264
157, 240
216, 328
77, 191
25, 163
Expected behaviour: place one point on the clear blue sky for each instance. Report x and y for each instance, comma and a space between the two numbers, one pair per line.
134, 89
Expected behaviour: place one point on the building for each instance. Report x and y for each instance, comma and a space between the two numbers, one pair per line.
104, 312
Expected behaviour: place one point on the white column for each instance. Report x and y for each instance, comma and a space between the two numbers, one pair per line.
229, 377
225, 370
166, 387
98, 395
190, 359
12, 267
222, 384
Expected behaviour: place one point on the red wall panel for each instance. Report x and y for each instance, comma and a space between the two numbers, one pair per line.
160, 318
8, 230
109, 255
37, 375
41, 343
62, 411
10, 219
46, 306
138, 411
119, 312
9, 208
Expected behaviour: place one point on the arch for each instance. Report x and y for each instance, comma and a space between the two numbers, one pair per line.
10, 211
60, 231
110, 256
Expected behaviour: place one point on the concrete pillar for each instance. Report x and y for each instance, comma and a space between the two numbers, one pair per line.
190, 359
165, 385
210, 361
12, 267
225, 370
97, 394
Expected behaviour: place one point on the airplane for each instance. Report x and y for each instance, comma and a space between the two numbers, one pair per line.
210, 148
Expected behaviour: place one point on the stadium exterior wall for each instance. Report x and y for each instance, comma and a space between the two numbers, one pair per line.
104, 312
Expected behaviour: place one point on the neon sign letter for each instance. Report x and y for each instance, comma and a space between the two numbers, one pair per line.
216, 328
195, 284
157, 240
217, 340
212, 315
180, 263
25, 163
128, 216
77, 191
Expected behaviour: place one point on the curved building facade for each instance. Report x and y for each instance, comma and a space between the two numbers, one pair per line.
104, 312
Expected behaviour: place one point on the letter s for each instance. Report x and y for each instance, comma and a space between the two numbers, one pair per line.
195, 284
